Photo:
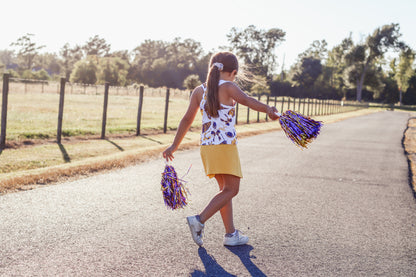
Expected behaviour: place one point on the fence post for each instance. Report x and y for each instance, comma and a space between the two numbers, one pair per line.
258, 113
248, 115
236, 114
283, 102
139, 112
304, 104
321, 107
106, 88
299, 105
288, 104
267, 101
4, 110
61, 110
165, 124
275, 101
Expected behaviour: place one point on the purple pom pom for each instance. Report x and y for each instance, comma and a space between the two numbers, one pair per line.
173, 189
300, 129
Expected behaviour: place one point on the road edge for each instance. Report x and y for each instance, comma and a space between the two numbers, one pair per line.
409, 148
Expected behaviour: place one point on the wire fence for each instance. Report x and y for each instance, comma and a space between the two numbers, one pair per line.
44, 110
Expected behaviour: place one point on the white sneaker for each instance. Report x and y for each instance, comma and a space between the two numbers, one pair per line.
236, 239
196, 228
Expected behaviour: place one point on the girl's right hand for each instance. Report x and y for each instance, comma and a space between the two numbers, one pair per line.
168, 153
271, 112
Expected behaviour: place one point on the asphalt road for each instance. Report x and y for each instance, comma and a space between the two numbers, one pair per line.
344, 207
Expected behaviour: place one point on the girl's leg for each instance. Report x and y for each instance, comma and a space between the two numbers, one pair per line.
231, 185
227, 210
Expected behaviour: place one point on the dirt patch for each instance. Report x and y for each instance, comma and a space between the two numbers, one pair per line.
409, 144
16, 144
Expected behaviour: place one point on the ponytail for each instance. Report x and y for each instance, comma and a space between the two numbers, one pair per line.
222, 61
213, 103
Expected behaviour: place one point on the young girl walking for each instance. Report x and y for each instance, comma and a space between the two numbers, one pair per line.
216, 99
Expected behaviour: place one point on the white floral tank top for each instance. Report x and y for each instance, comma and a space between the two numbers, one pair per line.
221, 129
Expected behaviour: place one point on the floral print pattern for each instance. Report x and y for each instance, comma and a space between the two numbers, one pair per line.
218, 130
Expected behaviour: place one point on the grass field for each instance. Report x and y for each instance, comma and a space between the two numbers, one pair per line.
35, 115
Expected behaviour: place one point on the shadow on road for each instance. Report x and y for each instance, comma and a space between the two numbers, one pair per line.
212, 268
243, 252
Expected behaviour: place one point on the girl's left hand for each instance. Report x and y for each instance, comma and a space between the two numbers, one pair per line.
168, 153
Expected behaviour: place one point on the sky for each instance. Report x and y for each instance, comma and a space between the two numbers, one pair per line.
126, 24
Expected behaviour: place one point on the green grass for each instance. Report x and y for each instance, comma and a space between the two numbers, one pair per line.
35, 115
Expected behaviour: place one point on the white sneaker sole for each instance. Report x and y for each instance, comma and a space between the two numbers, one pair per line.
194, 235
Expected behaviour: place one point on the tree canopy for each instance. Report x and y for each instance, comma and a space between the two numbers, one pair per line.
349, 70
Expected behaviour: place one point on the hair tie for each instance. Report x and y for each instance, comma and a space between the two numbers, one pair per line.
219, 65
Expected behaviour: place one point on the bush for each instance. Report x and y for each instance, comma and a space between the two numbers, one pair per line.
191, 81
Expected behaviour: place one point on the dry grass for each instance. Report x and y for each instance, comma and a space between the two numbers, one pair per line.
34, 115
409, 143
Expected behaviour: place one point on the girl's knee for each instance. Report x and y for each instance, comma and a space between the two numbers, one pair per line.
230, 191
231, 184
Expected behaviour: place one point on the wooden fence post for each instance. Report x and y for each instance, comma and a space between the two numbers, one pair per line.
299, 105
258, 113
288, 103
165, 124
267, 102
4, 110
248, 115
236, 114
304, 104
283, 102
104, 123
61, 110
321, 104
139, 112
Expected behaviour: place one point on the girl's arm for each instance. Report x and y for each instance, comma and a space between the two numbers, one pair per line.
185, 124
238, 95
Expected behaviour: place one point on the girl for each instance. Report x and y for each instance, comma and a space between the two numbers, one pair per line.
217, 99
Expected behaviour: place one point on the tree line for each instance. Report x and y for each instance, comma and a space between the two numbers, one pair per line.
354, 71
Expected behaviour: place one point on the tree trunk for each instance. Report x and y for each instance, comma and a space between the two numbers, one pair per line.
400, 96
360, 82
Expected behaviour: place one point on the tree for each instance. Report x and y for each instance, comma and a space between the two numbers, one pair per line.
70, 56
306, 73
84, 72
257, 48
41, 75
8, 58
336, 64
48, 61
363, 56
410, 95
160, 63
191, 81
317, 50
404, 70
113, 70
96, 46
27, 50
